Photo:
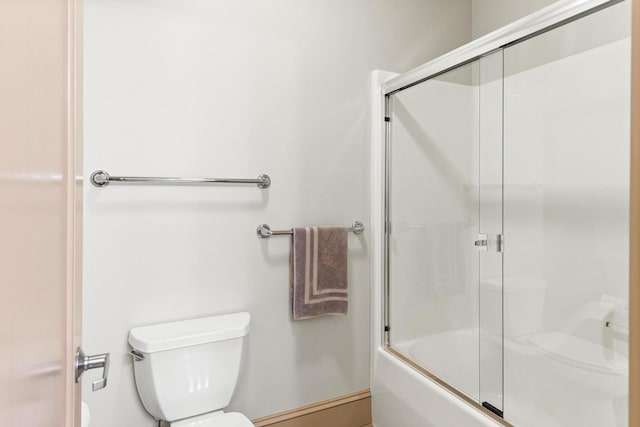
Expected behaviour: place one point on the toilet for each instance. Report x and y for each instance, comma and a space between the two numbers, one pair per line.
186, 372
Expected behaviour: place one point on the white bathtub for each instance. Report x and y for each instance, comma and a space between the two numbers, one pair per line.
579, 384
402, 397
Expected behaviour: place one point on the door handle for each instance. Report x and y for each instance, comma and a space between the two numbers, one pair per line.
84, 363
483, 242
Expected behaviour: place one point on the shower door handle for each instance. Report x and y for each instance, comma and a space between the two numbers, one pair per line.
483, 242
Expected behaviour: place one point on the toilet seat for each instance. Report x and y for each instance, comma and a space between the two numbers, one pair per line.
215, 419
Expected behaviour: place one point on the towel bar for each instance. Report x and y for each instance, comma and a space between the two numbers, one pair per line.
264, 230
102, 179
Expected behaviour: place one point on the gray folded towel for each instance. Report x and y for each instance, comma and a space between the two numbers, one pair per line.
319, 272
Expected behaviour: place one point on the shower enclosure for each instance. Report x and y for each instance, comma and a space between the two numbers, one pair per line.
506, 212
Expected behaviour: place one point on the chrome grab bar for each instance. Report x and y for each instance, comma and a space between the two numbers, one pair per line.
101, 178
264, 230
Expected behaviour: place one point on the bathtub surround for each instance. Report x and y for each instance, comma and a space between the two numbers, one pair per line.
235, 89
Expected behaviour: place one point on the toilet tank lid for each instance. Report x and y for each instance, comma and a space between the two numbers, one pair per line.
185, 333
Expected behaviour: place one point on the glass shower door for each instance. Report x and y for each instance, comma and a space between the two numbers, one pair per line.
445, 213
566, 199
490, 220
508, 223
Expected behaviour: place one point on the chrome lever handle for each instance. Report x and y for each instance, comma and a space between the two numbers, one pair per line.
99, 361
84, 363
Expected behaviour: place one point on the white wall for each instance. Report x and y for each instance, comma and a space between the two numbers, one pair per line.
234, 89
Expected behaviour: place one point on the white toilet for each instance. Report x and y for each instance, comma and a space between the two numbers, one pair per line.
186, 372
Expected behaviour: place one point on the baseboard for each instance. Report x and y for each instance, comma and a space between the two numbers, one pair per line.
352, 410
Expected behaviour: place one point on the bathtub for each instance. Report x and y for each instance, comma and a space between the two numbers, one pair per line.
550, 379
402, 397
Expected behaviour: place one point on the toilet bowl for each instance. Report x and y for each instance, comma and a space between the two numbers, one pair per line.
186, 372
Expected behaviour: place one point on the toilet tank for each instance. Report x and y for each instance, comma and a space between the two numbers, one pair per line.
189, 367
